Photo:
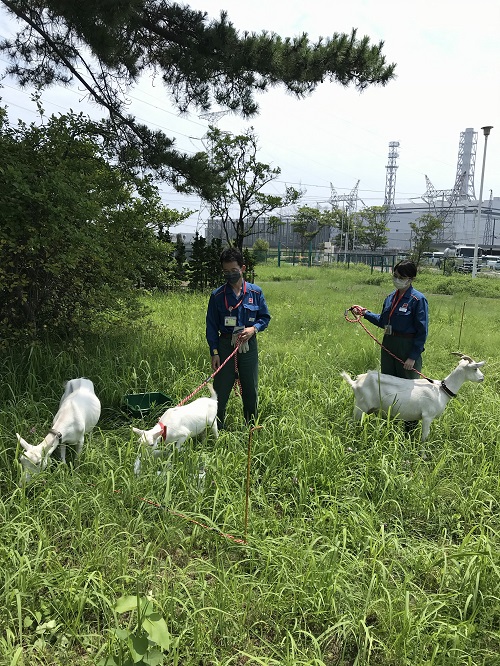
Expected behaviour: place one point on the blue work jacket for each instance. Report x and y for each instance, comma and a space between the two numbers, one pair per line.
252, 311
411, 315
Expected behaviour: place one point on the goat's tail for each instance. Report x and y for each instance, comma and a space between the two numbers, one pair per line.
213, 394
347, 377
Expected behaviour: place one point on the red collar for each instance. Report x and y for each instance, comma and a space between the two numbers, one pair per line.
163, 430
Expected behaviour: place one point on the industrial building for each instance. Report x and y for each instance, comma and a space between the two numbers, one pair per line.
457, 208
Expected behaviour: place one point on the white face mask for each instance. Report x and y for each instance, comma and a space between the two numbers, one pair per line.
400, 283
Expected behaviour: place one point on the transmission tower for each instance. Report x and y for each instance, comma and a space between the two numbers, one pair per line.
348, 203
390, 179
467, 162
213, 116
443, 203
489, 227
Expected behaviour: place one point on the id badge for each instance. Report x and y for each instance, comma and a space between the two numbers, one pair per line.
388, 329
230, 321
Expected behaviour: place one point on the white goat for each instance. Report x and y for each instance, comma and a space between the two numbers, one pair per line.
411, 399
78, 412
179, 423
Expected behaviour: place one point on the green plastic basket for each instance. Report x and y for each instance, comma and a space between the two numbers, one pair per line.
140, 404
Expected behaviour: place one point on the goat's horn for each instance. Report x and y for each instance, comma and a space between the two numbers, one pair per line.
463, 356
23, 442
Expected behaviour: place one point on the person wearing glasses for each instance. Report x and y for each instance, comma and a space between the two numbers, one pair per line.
405, 320
236, 312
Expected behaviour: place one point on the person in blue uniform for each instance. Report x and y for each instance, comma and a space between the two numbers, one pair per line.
405, 320
236, 309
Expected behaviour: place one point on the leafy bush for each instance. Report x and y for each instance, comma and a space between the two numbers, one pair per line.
77, 234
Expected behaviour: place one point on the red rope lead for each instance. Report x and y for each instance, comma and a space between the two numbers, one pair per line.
357, 320
191, 520
184, 400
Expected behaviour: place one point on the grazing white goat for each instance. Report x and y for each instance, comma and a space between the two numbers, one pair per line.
78, 412
179, 423
411, 399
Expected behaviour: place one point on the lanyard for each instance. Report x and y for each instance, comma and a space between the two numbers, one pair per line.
395, 304
231, 308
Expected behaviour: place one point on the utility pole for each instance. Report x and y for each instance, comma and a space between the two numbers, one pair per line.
486, 131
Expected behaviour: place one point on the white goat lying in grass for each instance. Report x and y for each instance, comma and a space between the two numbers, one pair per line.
78, 412
179, 423
411, 399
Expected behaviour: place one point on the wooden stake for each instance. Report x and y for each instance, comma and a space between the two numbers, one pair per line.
461, 324
249, 459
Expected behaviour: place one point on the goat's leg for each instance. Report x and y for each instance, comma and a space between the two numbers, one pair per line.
62, 451
79, 447
215, 429
357, 414
180, 442
426, 428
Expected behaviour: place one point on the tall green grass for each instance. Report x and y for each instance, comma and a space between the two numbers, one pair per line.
364, 546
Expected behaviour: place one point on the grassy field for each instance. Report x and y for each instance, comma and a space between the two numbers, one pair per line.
363, 546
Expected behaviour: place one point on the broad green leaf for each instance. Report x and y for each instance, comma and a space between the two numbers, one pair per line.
125, 604
122, 634
154, 658
157, 630
139, 647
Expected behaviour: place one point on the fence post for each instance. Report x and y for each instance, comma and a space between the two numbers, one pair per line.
279, 254
309, 262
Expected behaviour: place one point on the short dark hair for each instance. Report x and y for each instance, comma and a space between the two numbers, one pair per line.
231, 254
406, 268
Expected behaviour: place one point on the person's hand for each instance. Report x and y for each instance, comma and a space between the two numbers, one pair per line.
246, 334
358, 310
215, 362
409, 363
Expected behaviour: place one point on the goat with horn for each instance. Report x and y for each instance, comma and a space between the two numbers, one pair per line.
411, 399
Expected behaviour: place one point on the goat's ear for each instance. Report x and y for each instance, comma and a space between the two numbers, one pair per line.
478, 365
138, 431
23, 442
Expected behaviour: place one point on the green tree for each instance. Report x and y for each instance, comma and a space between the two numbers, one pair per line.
196, 271
260, 249
424, 231
345, 221
172, 219
104, 47
238, 199
308, 222
213, 268
371, 227
180, 257
77, 234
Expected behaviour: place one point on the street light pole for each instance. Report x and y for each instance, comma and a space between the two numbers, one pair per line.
486, 132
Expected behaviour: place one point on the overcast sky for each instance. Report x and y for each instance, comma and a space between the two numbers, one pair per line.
448, 63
